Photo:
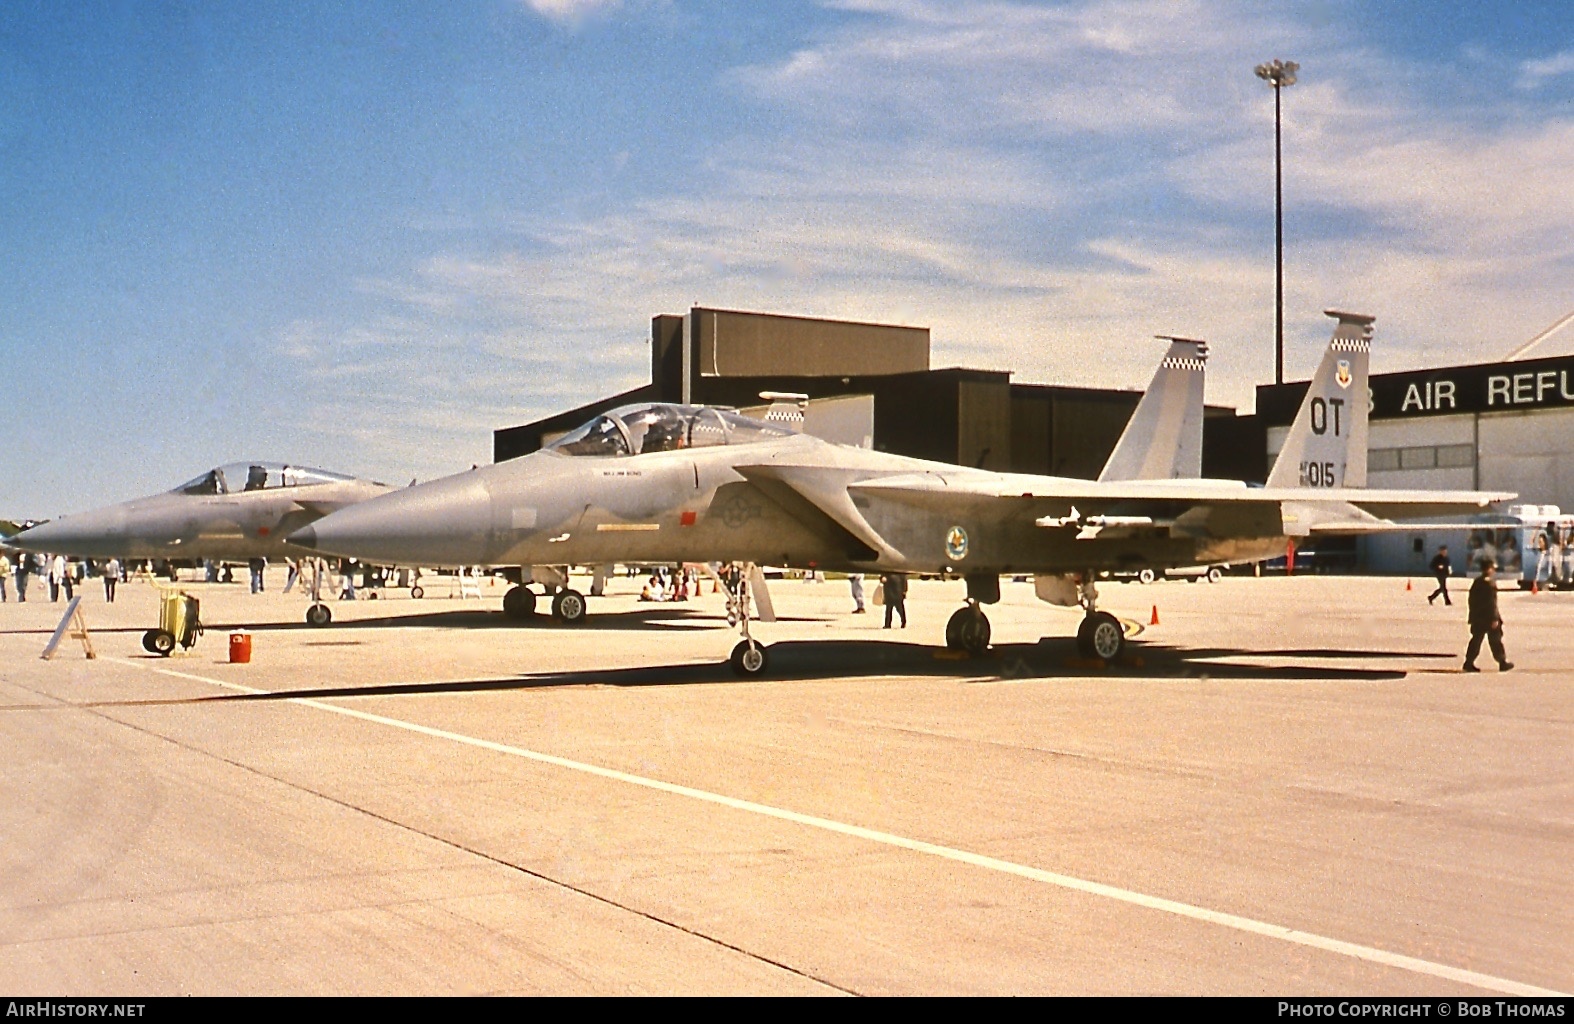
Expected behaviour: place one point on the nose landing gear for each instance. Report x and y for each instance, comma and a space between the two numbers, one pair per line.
749, 658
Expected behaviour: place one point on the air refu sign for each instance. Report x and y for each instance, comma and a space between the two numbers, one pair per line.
1493, 387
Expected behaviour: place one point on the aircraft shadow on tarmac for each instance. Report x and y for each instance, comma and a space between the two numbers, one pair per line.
802, 660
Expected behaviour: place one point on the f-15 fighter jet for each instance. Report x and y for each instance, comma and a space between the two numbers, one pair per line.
1162, 440
240, 511
670, 483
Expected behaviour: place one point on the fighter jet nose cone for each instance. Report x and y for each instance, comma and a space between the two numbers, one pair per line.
35, 539
305, 537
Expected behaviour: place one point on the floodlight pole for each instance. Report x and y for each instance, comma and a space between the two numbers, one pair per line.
1278, 74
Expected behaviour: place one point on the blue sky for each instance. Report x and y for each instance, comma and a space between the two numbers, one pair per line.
362, 236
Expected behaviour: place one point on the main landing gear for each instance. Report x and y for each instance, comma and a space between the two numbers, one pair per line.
568, 606
1101, 635
968, 629
519, 602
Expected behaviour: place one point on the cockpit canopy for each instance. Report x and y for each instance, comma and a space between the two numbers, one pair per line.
257, 476
639, 429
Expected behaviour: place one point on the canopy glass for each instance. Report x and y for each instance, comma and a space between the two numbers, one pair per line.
661, 427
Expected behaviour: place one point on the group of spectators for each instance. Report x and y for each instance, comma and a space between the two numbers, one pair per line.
661, 586
61, 576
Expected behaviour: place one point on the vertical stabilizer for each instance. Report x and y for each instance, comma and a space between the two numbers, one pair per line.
1163, 438
1326, 446
787, 409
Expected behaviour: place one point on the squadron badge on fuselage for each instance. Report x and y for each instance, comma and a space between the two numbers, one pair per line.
956, 543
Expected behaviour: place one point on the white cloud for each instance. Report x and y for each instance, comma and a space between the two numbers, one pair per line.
572, 12
1532, 73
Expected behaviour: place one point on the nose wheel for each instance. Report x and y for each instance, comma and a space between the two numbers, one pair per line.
319, 615
748, 658
968, 630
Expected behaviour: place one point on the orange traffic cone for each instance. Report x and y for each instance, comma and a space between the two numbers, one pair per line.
1408, 586
1155, 620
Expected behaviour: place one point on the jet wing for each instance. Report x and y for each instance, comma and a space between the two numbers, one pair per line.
1114, 509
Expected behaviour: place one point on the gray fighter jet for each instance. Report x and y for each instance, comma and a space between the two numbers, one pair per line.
675, 483
241, 511
1162, 440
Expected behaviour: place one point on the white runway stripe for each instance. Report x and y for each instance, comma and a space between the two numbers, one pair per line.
1186, 910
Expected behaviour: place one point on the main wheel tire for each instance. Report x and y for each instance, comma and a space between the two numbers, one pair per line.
748, 658
162, 641
1101, 636
968, 630
568, 607
319, 614
1214, 573
953, 629
1146, 576
519, 603
1084, 636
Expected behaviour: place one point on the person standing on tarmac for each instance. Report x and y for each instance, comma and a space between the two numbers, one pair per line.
894, 584
24, 571
111, 572
59, 577
1442, 569
855, 581
5, 573
1544, 556
1485, 620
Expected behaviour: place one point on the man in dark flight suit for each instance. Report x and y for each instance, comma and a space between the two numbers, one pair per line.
1485, 620
1442, 570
